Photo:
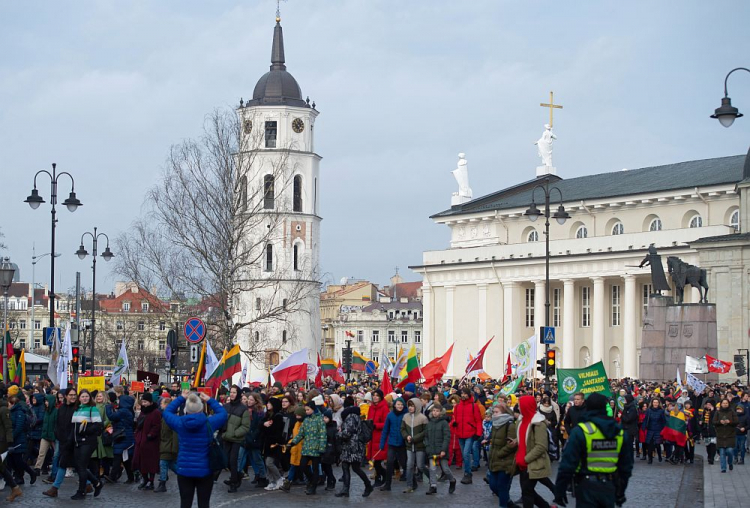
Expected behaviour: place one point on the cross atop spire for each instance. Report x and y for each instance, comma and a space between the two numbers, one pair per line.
277, 50
278, 11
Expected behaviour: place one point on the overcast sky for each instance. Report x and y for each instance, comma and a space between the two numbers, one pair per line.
104, 88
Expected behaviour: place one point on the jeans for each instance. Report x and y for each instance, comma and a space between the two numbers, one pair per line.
739, 448
467, 447
414, 460
188, 487
164, 467
724, 453
55, 459
345, 467
476, 452
500, 482
437, 463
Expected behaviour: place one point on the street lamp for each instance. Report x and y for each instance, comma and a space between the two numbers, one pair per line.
72, 204
34, 259
533, 213
107, 255
7, 271
726, 113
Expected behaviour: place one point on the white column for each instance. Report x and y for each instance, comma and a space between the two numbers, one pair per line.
569, 324
598, 319
629, 326
538, 304
449, 337
508, 316
482, 316
428, 345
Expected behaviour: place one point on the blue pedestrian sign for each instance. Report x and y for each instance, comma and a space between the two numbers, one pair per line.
195, 330
49, 333
548, 335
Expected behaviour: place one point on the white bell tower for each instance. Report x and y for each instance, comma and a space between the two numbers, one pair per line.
284, 178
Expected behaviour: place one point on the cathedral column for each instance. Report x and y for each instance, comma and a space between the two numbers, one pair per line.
508, 316
598, 320
538, 304
449, 293
569, 324
428, 344
482, 316
629, 327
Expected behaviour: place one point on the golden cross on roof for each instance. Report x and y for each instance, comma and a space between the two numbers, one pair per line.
551, 107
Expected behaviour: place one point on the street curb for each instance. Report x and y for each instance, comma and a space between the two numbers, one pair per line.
690, 492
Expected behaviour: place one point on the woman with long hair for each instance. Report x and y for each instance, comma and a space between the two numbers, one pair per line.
87, 428
653, 424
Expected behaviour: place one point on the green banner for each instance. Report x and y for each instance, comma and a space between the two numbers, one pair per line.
511, 387
589, 380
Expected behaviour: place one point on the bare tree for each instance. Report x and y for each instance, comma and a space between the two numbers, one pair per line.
2, 245
204, 233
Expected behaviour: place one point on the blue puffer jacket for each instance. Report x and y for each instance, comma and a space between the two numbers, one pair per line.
392, 427
122, 420
194, 436
38, 409
20, 430
655, 421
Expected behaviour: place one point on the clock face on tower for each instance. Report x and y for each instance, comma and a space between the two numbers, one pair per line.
248, 126
298, 125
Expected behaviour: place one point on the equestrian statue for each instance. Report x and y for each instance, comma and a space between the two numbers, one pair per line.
684, 273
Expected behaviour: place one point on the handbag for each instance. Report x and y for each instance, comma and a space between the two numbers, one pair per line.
217, 459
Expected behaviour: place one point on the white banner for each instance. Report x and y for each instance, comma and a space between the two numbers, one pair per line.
524, 356
121, 366
695, 365
54, 359
696, 384
65, 355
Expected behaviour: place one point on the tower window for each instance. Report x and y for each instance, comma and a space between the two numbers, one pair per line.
734, 220
296, 257
268, 192
269, 258
271, 134
297, 201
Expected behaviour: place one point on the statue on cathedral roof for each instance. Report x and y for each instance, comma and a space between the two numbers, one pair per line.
544, 146
461, 173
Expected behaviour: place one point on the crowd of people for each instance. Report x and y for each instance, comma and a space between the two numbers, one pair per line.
279, 438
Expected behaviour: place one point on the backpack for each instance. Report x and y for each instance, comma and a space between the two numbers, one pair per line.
552, 450
366, 428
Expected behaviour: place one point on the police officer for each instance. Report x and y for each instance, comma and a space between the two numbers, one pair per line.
596, 458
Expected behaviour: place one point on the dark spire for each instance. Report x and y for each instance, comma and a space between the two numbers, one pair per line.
277, 51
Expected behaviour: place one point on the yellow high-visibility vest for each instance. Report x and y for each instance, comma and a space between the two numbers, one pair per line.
601, 453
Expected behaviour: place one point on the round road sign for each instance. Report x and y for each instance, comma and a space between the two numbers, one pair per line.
195, 330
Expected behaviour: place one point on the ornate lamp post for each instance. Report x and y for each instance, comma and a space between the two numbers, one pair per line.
726, 114
34, 260
560, 216
7, 271
107, 255
72, 204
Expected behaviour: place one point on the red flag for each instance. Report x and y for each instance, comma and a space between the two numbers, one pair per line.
434, 371
478, 362
319, 375
339, 375
349, 334
508, 370
385, 384
716, 365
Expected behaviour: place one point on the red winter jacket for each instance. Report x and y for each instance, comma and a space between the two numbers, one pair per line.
467, 419
378, 413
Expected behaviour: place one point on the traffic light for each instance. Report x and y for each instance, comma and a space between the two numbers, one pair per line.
551, 360
541, 366
173, 347
76, 356
84, 364
347, 360
739, 365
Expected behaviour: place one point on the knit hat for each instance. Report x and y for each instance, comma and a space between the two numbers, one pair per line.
368, 396
311, 404
299, 411
349, 401
278, 385
380, 393
328, 414
193, 404
13, 391
147, 396
596, 402
165, 394
410, 387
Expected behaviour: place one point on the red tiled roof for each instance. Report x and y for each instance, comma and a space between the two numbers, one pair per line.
115, 304
344, 290
408, 290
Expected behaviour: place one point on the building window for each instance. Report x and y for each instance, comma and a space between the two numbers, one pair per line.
144, 306
37, 325
655, 225
22, 342
37, 343
271, 134
404, 337
647, 290
615, 305
268, 192
533, 236
283, 337
162, 344
141, 345
141, 326
119, 325
283, 303
376, 335
360, 336
391, 336
734, 220
696, 221
375, 353
556, 297
162, 326
417, 337
297, 195
295, 254
126, 306
269, 258
22, 324
529, 308
582, 232
257, 304
242, 202
585, 306
618, 229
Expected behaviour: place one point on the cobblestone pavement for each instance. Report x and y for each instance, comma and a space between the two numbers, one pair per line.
725, 490
654, 485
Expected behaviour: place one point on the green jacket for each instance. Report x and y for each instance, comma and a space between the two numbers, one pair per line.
313, 431
103, 452
414, 425
437, 435
50, 419
536, 448
6, 426
168, 443
502, 454
238, 423
725, 433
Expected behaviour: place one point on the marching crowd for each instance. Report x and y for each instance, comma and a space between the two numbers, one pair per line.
282, 438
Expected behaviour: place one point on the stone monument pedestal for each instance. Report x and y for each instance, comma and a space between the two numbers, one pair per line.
670, 332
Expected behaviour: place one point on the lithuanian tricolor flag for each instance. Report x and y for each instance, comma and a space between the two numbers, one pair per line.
676, 429
359, 362
411, 372
328, 365
229, 365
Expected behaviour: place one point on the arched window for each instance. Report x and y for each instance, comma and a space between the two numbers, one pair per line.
655, 225
297, 199
269, 258
533, 236
242, 200
734, 220
618, 229
257, 337
582, 232
296, 256
283, 337
268, 192
696, 221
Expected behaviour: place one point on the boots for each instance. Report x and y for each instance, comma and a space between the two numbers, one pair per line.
16, 493
262, 483
466, 480
287, 486
368, 490
331, 485
311, 488
431, 490
162, 487
52, 492
143, 484
452, 487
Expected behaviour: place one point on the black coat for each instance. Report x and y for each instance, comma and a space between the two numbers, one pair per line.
629, 419
331, 453
64, 430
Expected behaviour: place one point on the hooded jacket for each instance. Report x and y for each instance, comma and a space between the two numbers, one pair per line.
437, 435
352, 447
122, 422
392, 428
20, 427
238, 423
313, 431
378, 413
534, 435
272, 435
414, 425
50, 418
501, 451
194, 436
467, 419
38, 408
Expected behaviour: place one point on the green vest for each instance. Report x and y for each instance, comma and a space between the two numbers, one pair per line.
601, 453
